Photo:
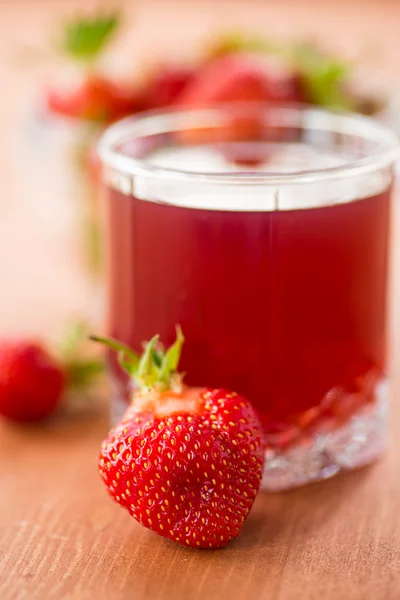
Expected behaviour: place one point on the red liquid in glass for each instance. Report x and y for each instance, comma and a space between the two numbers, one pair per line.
280, 306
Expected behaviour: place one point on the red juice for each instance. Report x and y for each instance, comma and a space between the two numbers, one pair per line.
285, 306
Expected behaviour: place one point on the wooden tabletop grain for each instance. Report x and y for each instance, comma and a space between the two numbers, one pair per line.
60, 535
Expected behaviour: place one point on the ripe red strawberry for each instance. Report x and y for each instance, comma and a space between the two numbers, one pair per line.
239, 78
94, 98
84, 39
185, 462
31, 381
308, 73
165, 85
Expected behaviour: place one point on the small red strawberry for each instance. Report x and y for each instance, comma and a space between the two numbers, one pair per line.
94, 98
33, 380
237, 79
83, 40
312, 74
165, 85
185, 462
240, 78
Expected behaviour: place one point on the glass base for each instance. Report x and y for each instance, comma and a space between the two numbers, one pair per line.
356, 443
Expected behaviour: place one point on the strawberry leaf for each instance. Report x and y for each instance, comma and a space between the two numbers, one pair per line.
127, 358
82, 372
156, 368
147, 371
240, 42
157, 357
172, 356
85, 38
72, 340
127, 362
323, 76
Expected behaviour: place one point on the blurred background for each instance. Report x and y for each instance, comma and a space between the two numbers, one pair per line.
68, 68
46, 235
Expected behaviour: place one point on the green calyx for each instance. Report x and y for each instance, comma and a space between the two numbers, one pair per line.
237, 41
323, 76
81, 370
156, 368
84, 38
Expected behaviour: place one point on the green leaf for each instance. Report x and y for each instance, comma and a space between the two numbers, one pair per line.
72, 339
240, 42
155, 368
86, 37
114, 345
157, 357
127, 358
172, 356
323, 76
82, 373
127, 362
148, 372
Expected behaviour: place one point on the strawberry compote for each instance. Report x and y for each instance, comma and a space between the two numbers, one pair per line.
280, 291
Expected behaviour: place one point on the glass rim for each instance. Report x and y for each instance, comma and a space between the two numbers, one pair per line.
129, 128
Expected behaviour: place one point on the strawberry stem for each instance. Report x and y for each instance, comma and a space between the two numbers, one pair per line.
155, 368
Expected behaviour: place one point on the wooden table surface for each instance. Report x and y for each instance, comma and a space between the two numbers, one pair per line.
60, 536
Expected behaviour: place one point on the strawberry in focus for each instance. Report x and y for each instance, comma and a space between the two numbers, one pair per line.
185, 462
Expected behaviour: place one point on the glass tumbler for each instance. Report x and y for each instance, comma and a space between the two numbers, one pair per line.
264, 232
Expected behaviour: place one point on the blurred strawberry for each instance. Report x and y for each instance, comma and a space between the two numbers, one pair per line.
94, 98
240, 77
280, 435
33, 380
165, 85
318, 76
